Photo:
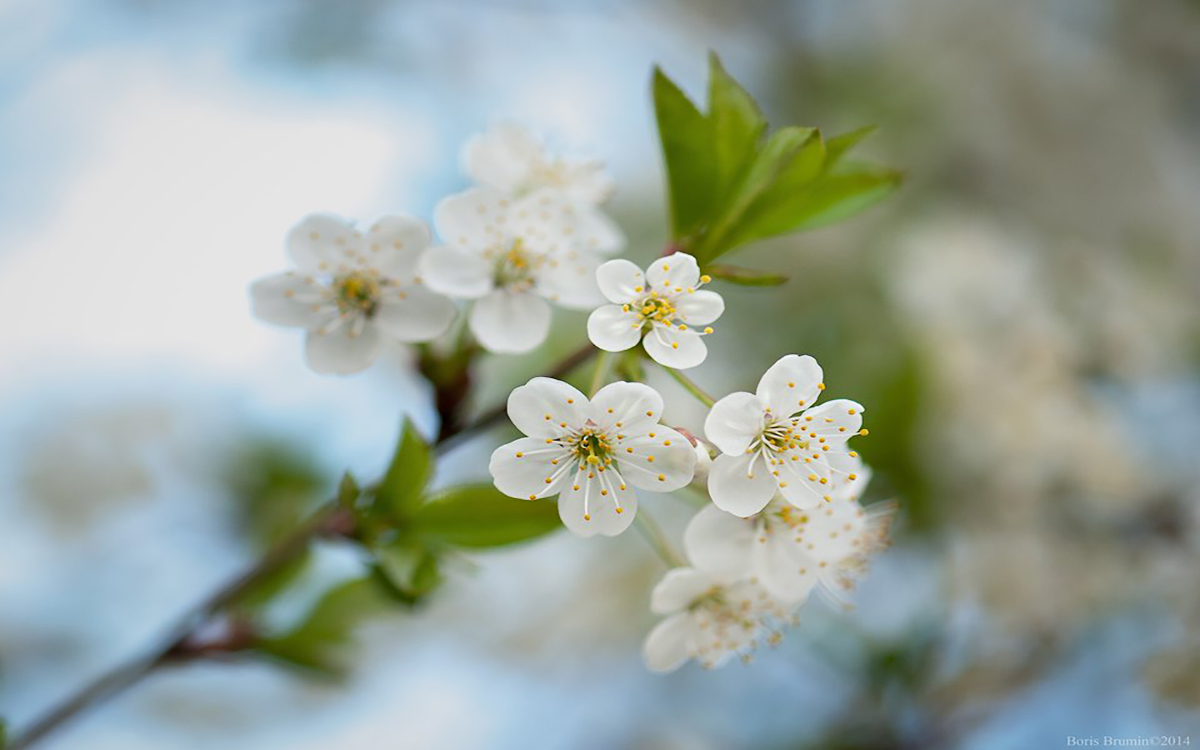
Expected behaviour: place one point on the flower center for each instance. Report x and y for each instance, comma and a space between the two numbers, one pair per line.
517, 267
357, 292
780, 437
592, 447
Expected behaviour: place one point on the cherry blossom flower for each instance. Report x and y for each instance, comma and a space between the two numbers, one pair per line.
774, 440
662, 308
591, 453
511, 256
710, 618
351, 291
513, 160
790, 551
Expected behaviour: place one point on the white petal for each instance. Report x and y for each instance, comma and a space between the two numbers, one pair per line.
734, 422
621, 281
673, 348
520, 468
590, 182
319, 242
394, 245
740, 485
510, 322
679, 588
539, 407
570, 281
840, 419
596, 232
599, 506
420, 315
471, 219
834, 532
463, 274
675, 272
289, 299
669, 644
700, 307
340, 353
790, 385
637, 406
502, 156
782, 569
719, 542
805, 484
662, 463
614, 330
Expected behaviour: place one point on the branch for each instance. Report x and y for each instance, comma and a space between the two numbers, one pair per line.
176, 646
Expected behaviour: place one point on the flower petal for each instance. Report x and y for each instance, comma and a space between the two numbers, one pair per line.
502, 156
805, 482
719, 542
539, 407
319, 242
676, 272
790, 385
840, 418
472, 218
420, 315
621, 281
289, 299
460, 273
614, 330
671, 347
782, 569
669, 644
662, 463
740, 485
598, 506
700, 307
596, 232
734, 422
570, 281
510, 322
637, 407
340, 353
520, 468
679, 588
394, 245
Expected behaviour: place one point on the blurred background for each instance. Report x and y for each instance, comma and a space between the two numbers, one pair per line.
1020, 321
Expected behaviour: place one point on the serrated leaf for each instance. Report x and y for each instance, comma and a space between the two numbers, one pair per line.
481, 516
689, 160
400, 493
744, 276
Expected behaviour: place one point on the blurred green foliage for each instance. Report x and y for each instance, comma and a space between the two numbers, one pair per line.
275, 485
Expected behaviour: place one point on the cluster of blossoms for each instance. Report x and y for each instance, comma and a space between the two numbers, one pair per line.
785, 517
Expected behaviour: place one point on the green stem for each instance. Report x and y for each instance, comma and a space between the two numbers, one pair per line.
658, 540
690, 386
600, 374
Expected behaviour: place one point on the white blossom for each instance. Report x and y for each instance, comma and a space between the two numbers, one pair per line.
790, 551
664, 308
351, 291
775, 440
511, 256
710, 618
512, 159
591, 453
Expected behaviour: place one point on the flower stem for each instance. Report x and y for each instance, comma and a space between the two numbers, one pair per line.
690, 386
172, 648
600, 374
658, 540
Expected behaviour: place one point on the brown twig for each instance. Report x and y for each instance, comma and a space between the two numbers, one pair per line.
179, 644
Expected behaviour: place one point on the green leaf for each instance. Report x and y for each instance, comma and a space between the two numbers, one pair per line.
737, 128
744, 276
838, 145
846, 191
400, 493
348, 491
410, 571
266, 589
317, 641
688, 156
481, 516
